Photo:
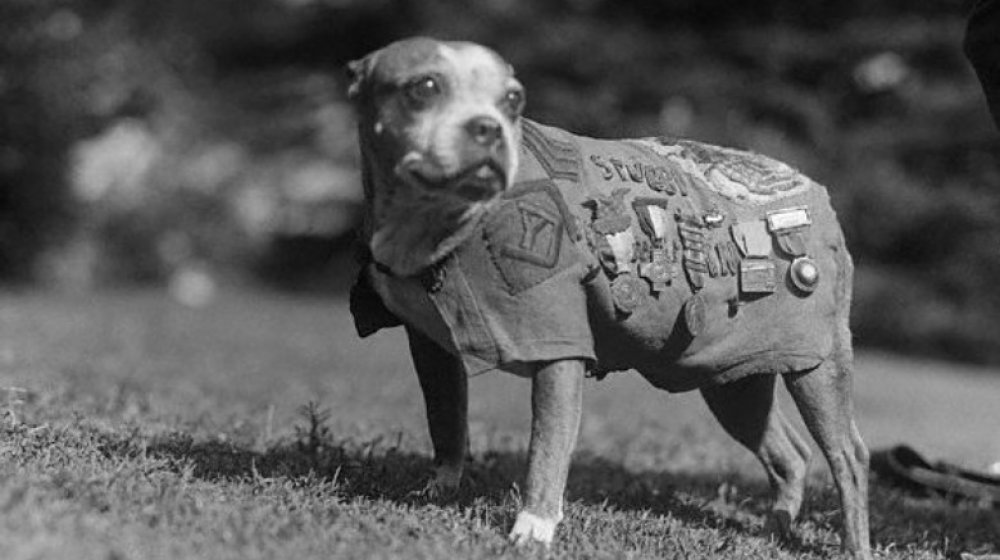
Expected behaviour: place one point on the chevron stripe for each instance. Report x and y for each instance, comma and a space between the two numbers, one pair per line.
560, 159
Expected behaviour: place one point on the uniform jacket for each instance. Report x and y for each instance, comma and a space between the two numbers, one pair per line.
691, 263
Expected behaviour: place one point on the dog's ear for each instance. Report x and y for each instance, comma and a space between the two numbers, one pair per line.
358, 71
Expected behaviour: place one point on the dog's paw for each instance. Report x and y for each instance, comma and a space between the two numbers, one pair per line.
779, 525
445, 483
529, 528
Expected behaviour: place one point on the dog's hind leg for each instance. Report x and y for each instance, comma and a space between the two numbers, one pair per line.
824, 398
445, 387
749, 412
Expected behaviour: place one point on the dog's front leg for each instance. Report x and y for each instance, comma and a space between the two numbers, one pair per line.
556, 404
445, 387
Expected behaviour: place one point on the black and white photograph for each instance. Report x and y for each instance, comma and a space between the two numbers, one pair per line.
499, 279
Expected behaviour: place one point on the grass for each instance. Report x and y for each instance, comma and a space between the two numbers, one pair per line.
261, 427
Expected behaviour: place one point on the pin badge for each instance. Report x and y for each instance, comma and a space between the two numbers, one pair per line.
757, 276
788, 218
623, 248
609, 213
654, 219
804, 274
714, 219
789, 226
751, 238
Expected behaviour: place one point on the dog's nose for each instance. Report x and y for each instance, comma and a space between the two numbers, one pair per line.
485, 131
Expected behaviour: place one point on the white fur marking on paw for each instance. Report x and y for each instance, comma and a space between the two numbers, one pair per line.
529, 527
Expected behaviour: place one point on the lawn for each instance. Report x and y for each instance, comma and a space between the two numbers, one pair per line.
261, 427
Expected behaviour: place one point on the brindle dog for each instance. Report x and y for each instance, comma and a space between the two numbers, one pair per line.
443, 150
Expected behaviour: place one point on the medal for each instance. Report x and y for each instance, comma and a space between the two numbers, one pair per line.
694, 315
804, 274
790, 226
659, 271
757, 276
626, 290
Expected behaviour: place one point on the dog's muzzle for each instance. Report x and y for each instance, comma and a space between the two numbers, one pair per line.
483, 179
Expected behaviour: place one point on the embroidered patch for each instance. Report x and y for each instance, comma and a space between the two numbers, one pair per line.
758, 174
735, 174
526, 235
561, 159
660, 178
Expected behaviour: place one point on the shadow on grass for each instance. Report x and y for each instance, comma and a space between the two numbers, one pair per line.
377, 470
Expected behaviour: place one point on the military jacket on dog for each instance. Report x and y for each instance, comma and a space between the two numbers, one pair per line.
692, 263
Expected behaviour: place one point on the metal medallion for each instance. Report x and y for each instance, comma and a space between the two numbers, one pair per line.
694, 315
804, 274
626, 291
659, 271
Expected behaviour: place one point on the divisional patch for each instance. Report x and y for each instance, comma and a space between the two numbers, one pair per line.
527, 236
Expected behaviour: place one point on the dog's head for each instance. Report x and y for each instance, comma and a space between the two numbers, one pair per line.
438, 131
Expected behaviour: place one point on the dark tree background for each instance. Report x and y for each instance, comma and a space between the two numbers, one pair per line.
139, 137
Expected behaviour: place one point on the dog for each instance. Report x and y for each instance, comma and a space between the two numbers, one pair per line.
503, 244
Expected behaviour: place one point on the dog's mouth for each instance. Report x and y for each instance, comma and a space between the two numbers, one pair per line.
479, 181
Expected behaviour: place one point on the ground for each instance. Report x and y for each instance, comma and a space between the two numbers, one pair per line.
151, 430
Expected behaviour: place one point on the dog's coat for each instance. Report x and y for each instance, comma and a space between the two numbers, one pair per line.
561, 268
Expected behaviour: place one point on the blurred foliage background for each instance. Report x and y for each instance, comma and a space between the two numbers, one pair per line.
190, 141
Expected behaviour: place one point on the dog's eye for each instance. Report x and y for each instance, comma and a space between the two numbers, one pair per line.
513, 102
423, 90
